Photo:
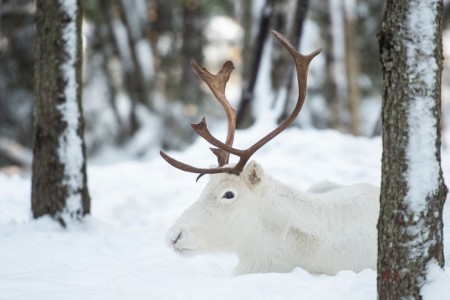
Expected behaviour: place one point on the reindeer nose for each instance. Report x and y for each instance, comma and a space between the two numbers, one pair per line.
175, 240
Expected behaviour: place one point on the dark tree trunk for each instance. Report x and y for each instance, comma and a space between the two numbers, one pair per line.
137, 86
181, 23
282, 21
246, 20
17, 46
119, 32
192, 48
295, 36
287, 17
59, 185
410, 223
245, 117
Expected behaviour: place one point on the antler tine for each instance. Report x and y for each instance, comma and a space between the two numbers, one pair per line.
188, 168
217, 84
301, 65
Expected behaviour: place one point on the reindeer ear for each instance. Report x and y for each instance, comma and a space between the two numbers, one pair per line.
253, 173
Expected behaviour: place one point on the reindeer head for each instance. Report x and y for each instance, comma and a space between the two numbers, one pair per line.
227, 209
218, 220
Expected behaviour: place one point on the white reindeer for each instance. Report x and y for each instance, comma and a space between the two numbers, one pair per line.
270, 226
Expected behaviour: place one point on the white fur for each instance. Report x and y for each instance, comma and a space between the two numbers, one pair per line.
274, 228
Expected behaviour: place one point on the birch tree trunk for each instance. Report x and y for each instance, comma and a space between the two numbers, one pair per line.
59, 186
412, 188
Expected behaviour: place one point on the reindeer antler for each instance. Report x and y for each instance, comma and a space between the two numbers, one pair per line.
217, 84
301, 65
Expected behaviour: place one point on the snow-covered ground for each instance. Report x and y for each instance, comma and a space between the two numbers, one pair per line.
119, 251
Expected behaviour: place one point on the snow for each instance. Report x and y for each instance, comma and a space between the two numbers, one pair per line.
70, 145
423, 167
437, 286
422, 174
215, 30
119, 251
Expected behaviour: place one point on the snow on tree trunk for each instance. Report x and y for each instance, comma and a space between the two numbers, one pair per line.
59, 185
412, 188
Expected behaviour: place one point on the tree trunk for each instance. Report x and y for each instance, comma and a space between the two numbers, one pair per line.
337, 67
134, 80
331, 117
352, 65
246, 21
245, 116
192, 48
59, 185
295, 36
282, 21
412, 187
17, 44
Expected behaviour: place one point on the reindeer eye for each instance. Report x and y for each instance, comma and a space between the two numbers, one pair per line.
228, 195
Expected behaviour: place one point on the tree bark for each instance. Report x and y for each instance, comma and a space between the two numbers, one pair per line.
59, 183
410, 227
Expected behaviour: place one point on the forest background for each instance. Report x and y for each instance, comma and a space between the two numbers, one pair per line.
139, 88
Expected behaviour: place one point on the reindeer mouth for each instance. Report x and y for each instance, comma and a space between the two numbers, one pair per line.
187, 252
178, 245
